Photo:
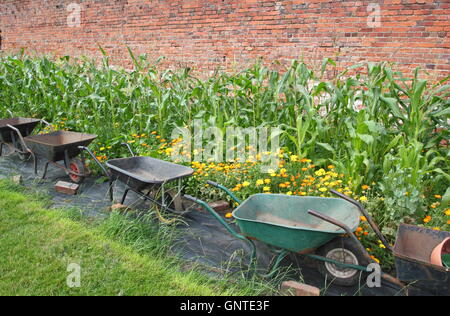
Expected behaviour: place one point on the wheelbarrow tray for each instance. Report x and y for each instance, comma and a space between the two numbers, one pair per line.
24, 125
283, 221
53, 146
142, 173
412, 253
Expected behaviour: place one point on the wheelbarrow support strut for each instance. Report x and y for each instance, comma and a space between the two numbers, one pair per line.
228, 228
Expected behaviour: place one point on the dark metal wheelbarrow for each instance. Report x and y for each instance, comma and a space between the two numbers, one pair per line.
148, 178
9, 137
55, 147
310, 226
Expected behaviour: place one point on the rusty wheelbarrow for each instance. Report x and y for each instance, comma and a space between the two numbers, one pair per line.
10, 139
54, 147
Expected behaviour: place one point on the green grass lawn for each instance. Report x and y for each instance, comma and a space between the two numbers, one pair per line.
38, 244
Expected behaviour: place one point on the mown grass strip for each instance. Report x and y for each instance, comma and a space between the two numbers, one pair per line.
38, 244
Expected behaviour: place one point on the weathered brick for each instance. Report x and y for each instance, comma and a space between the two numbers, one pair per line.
199, 33
292, 288
67, 188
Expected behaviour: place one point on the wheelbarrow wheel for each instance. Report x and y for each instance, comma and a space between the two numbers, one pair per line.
343, 250
77, 166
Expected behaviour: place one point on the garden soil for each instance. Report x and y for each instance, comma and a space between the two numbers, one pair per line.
202, 239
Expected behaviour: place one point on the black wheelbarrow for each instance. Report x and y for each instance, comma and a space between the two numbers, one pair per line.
9, 137
55, 147
147, 177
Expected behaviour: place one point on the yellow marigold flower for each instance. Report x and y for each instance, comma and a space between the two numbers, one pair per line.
229, 215
363, 199
437, 228
283, 171
289, 193
375, 259
331, 167
447, 212
437, 196
102, 149
246, 184
259, 182
294, 158
266, 189
382, 246
323, 189
267, 181
363, 218
365, 187
320, 172
427, 219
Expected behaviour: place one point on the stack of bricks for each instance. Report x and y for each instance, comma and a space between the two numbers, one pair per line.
231, 34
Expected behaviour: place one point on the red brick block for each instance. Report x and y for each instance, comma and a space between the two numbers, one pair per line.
67, 188
292, 288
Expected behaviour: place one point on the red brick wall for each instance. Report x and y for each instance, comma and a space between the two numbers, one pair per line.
229, 33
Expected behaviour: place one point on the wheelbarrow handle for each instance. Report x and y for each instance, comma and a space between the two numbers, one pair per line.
344, 227
207, 207
107, 174
227, 191
48, 124
213, 184
129, 149
371, 222
226, 225
21, 139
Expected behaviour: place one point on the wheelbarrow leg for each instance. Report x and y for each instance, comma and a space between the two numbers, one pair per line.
274, 267
124, 197
252, 264
111, 191
45, 170
35, 163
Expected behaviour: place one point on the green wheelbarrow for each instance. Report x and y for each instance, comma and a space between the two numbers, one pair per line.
319, 228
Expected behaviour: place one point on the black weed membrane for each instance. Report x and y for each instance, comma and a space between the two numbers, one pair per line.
200, 239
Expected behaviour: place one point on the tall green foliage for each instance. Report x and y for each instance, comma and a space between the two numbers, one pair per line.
373, 125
